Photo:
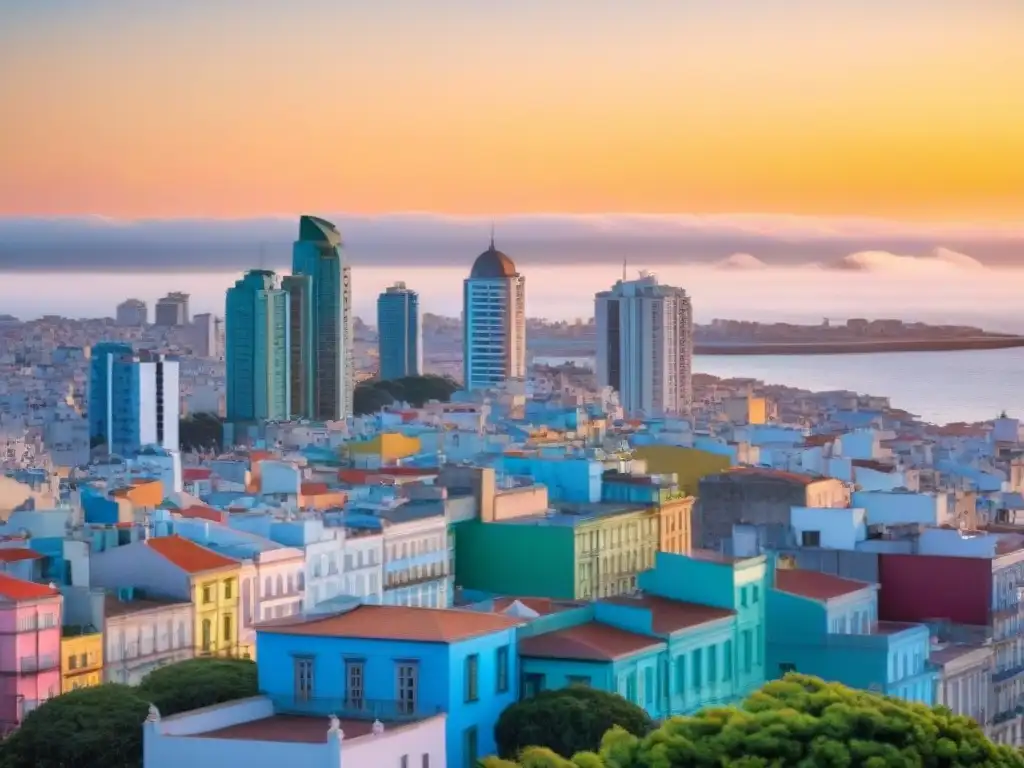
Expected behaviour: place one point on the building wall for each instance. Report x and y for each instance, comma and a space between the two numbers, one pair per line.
834, 528
494, 331
675, 528
140, 641
571, 480
924, 587
511, 559
416, 564
29, 657
400, 344
612, 551
216, 598
81, 661
725, 500
511, 503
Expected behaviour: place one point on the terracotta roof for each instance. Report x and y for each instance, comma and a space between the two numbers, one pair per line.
766, 472
202, 512
813, 441
814, 584
18, 554
393, 622
587, 642
669, 616
287, 728
17, 590
188, 555
196, 473
314, 489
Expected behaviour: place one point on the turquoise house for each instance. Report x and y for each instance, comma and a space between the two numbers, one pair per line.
694, 637
396, 664
828, 626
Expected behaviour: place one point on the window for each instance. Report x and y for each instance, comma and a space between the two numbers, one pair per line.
727, 661
748, 651
72, 662
743, 597
502, 682
227, 589
755, 594
207, 594
578, 680
472, 667
712, 664
697, 669
355, 685
785, 667
207, 634
404, 761
303, 678
681, 673
649, 686
408, 678
470, 739
227, 629
810, 538
426, 761
83, 660
532, 685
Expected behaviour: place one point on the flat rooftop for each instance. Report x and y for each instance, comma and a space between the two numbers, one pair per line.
297, 729
115, 607
571, 515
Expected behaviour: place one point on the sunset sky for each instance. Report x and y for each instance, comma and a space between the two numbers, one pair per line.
167, 108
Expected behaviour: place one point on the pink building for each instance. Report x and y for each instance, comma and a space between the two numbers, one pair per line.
30, 626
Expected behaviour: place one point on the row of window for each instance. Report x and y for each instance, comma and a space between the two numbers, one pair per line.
34, 621
227, 591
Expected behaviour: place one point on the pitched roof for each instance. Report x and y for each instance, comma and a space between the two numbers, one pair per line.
314, 489
393, 622
18, 554
187, 555
202, 512
17, 590
669, 616
592, 641
815, 585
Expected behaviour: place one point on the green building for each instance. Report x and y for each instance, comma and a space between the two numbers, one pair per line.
580, 552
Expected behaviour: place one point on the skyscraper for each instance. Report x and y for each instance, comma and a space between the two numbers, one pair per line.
494, 321
645, 345
257, 349
399, 341
172, 310
205, 336
134, 400
132, 312
327, 370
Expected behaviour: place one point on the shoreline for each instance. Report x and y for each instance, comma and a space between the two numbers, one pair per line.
859, 347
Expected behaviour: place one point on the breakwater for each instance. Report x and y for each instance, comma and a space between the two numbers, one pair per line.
870, 346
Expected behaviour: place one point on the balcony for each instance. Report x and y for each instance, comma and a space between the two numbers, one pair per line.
33, 665
1001, 675
385, 710
1008, 714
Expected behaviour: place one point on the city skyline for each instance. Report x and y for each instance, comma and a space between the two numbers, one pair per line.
900, 110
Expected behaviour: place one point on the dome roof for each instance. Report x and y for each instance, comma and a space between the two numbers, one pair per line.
492, 264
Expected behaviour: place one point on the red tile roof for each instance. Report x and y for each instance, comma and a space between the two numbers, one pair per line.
195, 473
293, 729
202, 512
669, 616
18, 554
187, 555
18, 590
314, 489
815, 585
587, 642
393, 622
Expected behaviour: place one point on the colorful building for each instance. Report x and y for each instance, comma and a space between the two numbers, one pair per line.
30, 668
174, 567
393, 663
81, 654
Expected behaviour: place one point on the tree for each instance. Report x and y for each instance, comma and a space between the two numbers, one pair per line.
567, 721
99, 726
371, 396
803, 722
199, 683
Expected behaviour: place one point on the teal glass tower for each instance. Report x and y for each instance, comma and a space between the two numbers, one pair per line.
256, 339
398, 332
325, 375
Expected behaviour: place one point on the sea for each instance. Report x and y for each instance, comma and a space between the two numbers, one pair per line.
940, 387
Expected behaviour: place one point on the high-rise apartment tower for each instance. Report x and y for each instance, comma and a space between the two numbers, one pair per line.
399, 340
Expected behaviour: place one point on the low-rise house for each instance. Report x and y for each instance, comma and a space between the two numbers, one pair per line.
81, 653
30, 622
396, 664
174, 567
965, 680
144, 633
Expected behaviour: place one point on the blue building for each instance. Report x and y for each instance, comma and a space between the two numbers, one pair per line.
134, 401
828, 626
257, 349
322, 363
399, 339
393, 664
567, 479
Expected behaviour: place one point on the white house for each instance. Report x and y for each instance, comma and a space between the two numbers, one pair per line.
143, 634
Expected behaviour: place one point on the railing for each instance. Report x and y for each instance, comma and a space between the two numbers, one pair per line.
1006, 673
385, 710
1008, 714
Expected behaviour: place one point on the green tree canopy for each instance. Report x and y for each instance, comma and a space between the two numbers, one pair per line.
802, 722
371, 396
567, 721
99, 726
201, 431
199, 683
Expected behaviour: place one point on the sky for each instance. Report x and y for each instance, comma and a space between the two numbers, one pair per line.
896, 109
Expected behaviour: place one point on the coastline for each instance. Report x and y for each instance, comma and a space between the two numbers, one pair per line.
873, 346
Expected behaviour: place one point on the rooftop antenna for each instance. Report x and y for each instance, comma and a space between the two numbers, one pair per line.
624, 260
492, 234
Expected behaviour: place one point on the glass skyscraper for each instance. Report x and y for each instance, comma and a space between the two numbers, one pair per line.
257, 350
399, 341
325, 375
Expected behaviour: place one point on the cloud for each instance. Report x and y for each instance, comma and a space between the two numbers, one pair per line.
740, 261
885, 261
426, 239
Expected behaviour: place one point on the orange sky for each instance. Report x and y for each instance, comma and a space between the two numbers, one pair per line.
898, 109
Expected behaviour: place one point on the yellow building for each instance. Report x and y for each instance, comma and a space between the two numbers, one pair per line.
213, 581
689, 465
81, 658
383, 449
675, 528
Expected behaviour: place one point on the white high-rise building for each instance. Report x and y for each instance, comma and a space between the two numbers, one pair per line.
131, 313
645, 346
206, 336
494, 321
